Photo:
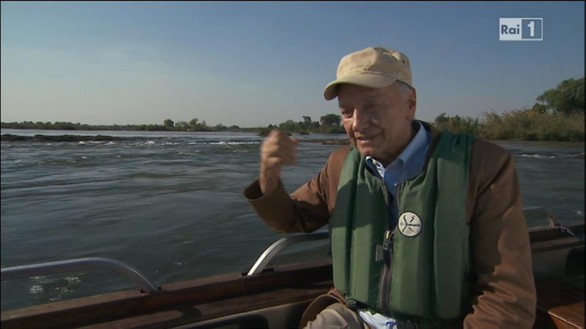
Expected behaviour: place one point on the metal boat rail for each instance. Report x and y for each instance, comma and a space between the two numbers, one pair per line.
112, 265
275, 248
77, 265
542, 212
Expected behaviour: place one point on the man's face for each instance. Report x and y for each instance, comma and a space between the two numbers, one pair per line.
378, 121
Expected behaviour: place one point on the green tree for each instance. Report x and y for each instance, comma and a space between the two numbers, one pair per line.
182, 126
288, 125
567, 98
168, 123
194, 124
441, 121
457, 124
330, 120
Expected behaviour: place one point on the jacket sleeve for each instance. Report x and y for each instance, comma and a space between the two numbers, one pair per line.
286, 214
308, 208
504, 286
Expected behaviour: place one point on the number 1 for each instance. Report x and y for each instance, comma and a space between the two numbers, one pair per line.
531, 27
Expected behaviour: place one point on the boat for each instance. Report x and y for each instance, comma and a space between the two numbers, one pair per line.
273, 293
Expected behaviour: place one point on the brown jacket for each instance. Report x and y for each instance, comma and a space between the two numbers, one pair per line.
504, 287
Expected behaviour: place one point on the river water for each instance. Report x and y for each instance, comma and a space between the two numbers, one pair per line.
171, 205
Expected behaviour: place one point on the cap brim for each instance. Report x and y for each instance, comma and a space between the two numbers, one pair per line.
364, 80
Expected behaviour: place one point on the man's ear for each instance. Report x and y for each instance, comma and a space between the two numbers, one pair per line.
412, 101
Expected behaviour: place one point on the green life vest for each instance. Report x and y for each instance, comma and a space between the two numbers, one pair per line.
420, 268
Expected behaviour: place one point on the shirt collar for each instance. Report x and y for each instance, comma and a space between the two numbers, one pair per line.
417, 143
408, 156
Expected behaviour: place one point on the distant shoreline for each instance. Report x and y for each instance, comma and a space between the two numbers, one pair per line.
60, 138
103, 138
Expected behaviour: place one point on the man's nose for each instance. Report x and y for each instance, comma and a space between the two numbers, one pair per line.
360, 120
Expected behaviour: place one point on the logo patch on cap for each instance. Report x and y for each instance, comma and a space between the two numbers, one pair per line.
409, 224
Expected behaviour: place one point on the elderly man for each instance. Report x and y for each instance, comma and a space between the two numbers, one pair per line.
427, 228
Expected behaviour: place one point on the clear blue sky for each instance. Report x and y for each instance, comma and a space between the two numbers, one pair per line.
256, 63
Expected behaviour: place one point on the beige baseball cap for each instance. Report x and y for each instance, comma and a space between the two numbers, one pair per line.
373, 67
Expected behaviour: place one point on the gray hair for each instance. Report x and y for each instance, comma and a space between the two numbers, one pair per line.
403, 87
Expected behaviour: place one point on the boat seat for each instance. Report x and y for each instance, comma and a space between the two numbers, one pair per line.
560, 300
559, 305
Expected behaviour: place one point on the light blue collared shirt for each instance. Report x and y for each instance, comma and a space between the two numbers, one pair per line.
407, 165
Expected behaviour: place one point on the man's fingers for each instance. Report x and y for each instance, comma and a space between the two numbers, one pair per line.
279, 149
281, 160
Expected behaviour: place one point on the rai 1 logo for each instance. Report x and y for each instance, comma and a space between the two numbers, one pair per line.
521, 29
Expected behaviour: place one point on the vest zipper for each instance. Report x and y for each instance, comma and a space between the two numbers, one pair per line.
388, 252
387, 271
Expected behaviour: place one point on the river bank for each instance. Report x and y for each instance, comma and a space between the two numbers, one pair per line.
106, 138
